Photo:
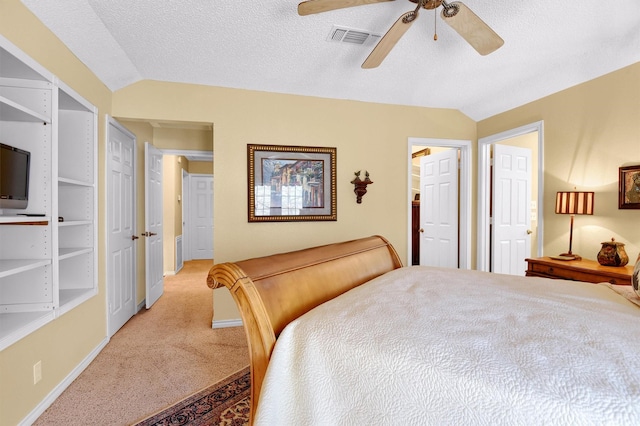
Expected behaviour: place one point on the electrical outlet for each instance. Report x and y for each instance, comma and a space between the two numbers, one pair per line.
37, 372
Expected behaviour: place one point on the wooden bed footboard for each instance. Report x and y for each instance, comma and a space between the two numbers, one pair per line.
272, 291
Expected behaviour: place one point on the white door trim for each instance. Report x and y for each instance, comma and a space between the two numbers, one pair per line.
484, 182
186, 199
465, 193
201, 155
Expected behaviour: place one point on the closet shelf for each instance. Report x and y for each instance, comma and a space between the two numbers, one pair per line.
15, 266
24, 220
73, 182
67, 253
74, 223
50, 268
13, 111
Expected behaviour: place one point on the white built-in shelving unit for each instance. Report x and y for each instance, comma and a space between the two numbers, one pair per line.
48, 263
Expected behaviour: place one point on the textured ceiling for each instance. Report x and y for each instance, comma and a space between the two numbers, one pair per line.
549, 46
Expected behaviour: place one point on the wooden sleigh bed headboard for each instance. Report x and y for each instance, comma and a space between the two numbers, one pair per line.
272, 291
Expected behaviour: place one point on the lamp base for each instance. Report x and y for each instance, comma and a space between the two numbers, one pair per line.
567, 256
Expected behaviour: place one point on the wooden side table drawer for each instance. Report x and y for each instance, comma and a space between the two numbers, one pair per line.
540, 270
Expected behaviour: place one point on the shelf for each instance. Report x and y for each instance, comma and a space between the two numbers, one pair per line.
16, 65
50, 268
15, 266
27, 223
12, 111
67, 253
69, 299
24, 220
73, 182
14, 326
74, 223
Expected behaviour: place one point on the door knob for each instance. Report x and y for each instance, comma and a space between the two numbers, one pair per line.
421, 230
134, 237
529, 231
148, 234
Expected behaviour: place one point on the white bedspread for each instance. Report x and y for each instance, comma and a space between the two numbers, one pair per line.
451, 347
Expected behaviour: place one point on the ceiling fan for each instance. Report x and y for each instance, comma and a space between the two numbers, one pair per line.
462, 19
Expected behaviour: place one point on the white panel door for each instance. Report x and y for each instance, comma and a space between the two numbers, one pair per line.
510, 231
153, 224
201, 211
439, 209
121, 286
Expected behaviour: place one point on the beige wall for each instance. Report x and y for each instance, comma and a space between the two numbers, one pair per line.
183, 138
367, 136
590, 130
201, 167
64, 343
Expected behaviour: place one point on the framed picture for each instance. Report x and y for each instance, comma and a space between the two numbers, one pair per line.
629, 187
291, 183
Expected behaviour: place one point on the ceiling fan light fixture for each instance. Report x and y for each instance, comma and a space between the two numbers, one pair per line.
428, 4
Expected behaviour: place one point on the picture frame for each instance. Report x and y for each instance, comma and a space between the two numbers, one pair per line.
291, 183
629, 187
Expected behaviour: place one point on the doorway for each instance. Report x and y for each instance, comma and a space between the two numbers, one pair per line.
189, 203
197, 213
192, 140
534, 130
464, 216
121, 225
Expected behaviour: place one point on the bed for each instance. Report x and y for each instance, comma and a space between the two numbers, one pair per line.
344, 334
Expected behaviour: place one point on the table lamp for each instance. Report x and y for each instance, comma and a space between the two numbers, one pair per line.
573, 203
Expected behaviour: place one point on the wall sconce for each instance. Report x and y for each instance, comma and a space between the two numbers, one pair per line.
360, 186
573, 203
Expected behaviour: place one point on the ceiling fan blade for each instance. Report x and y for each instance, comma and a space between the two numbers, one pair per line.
389, 40
473, 29
317, 6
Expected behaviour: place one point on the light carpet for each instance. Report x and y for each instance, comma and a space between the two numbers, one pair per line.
159, 357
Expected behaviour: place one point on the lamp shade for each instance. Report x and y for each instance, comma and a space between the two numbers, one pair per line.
574, 202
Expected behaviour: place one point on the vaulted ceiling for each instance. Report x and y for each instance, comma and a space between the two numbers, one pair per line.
548, 46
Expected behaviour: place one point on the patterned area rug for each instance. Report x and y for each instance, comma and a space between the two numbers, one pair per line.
224, 403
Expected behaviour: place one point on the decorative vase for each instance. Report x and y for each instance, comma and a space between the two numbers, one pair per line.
612, 254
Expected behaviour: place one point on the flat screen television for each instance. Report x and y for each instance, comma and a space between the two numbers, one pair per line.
14, 177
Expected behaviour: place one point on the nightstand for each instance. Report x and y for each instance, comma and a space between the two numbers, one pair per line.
578, 270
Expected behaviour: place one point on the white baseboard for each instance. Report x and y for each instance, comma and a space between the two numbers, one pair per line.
141, 305
57, 391
226, 323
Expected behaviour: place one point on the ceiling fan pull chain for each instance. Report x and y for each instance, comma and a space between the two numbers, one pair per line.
435, 24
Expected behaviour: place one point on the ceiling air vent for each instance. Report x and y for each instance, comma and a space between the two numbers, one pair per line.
353, 36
